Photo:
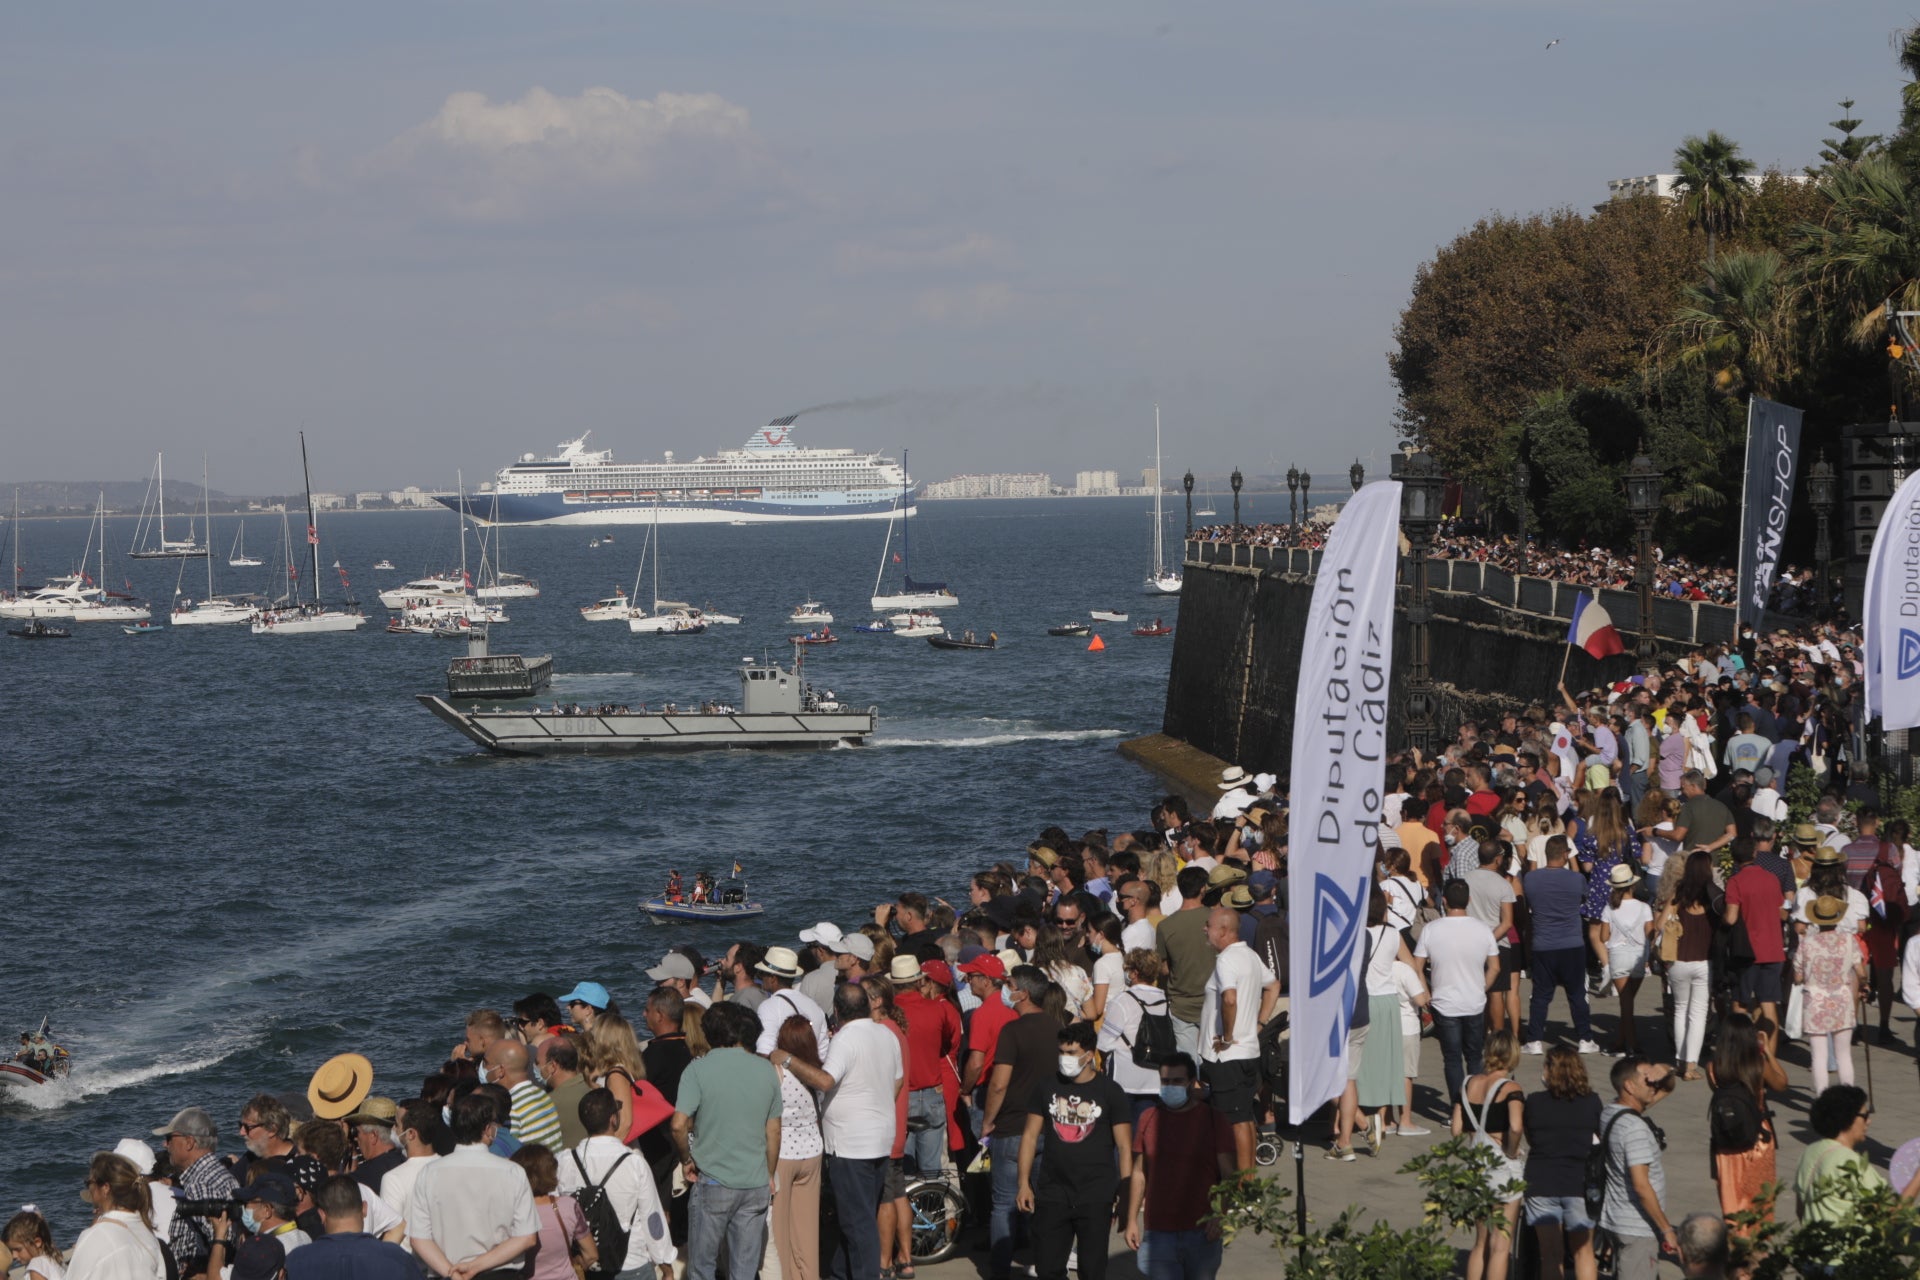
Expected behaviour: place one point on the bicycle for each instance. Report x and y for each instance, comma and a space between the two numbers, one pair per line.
939, 1216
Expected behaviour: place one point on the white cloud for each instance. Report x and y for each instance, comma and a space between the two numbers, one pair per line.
500, 161
972, 305
923, 253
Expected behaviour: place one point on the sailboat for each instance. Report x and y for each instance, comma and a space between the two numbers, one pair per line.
312, 618
237, 556
1206, 501
154, 521
501, 585
100, 605
57, 599
454, 599
213, 610
912, 595
668, 617
1162, 580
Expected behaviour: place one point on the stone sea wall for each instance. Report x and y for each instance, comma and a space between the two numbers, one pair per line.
1236, 657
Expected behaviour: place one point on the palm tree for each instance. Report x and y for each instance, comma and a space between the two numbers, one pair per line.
1909, 45
1713, 183
1737, 325
1865, 253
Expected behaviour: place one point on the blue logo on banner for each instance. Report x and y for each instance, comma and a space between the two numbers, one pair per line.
1337, 917
1909, 655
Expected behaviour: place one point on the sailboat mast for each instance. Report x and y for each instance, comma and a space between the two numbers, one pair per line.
460, 487
206, 501
656, 555
103, 544
160, 469
313, 527
906, 511
1159, 552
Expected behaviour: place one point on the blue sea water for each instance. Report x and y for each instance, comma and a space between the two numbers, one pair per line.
228, 857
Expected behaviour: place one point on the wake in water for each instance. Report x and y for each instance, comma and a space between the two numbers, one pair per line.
1000, 739
86, 1082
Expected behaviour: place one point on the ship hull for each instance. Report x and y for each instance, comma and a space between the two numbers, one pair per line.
541, 734
582, 508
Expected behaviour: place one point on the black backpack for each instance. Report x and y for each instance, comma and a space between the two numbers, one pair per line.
609, 1233
1153, 1044
1596, 1187
1734, 1122
1273, 1055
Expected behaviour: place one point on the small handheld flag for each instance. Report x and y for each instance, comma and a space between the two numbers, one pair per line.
1592, 629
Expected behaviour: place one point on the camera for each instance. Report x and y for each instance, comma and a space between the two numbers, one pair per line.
202, 1208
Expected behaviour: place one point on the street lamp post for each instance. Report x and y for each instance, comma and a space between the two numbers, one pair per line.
1421, 488
1522, 483
1306, 497
1235, 480
1293, 493
1820, 493
1186, 483
1356, 475
1643, 500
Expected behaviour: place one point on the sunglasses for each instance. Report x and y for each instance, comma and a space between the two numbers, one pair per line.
1073, 923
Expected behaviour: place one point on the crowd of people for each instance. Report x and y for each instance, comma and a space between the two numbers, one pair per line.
1795, 591
1086, 1043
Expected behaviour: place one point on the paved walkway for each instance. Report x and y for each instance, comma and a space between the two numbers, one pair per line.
1377, 1182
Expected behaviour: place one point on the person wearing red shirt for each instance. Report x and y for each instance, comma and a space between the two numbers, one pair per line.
1184, 1147
1756, 905
986, 977
933, 1039
1482, 800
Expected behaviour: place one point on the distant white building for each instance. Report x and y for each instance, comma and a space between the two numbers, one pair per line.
328, 502
1090, 484
368, 498
411, 496
1664, 184
1021, 484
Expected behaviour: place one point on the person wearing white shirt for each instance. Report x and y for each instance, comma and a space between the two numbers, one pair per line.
862, 1075
1136, 901
603, 1160
1240, 996
1463, 960
412, 1127
471, 1208
120, 1245
1120, 1029
1412, 994
777, 974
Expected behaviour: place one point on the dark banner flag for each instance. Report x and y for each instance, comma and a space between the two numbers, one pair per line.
1773, 456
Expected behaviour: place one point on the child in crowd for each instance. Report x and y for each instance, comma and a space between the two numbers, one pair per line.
30, 1241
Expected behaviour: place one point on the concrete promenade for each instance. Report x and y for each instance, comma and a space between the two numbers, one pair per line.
1378, 1184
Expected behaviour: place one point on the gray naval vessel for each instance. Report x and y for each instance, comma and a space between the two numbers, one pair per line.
777, 709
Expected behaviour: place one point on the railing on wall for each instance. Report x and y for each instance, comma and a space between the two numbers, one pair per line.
1689, 622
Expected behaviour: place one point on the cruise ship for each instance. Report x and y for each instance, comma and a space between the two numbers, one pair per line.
767, 480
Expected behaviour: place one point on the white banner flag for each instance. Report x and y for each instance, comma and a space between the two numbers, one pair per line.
1893, 612
1339, 750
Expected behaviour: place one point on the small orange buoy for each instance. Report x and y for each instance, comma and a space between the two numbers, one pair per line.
1096, 645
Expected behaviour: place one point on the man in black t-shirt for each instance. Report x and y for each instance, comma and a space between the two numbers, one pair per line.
1023, 1059
1088, 1153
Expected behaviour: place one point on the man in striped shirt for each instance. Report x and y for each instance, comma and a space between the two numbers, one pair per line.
534, 1119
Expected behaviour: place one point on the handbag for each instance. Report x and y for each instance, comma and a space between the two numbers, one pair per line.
1509, 1169
1670, 939
1790, 1023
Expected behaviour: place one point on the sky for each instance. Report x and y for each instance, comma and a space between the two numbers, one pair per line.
437, 235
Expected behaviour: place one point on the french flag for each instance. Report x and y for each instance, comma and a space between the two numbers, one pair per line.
1592, 628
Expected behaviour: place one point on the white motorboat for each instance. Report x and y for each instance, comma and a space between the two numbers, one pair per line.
912, 595
101, 605
918, 630
613, 608
667, 618
311, 617
717, 619
1108, 615
385, 565
915, 618
508, 586
1162, 580
438, 589
810, 614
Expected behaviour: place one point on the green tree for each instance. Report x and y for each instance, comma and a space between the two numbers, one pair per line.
1713, 184
1849, 147
1865, 252
1736, 325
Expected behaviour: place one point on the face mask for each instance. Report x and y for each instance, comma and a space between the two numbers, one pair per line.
486, 1077
1006, 997
446, 1115
1069, 1064
396, 1137
249, 1220
1174, 1095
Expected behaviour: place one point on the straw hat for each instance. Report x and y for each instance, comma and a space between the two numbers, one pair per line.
1623, 876
339, 1086
905, 971
781, 962
1827, 910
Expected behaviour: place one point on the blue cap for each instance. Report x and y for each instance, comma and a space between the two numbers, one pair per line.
587, 993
